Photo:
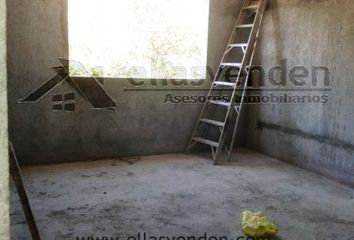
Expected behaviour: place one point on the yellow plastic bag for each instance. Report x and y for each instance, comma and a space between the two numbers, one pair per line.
257, 225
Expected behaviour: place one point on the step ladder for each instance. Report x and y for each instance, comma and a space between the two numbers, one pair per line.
220, 114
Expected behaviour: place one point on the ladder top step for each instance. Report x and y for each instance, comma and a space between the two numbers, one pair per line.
251, 7
227, 104
206, 141
238, 45
244, 26
232, 64
220, 83
212, 122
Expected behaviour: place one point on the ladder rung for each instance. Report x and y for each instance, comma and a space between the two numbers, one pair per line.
251, 7
232, 64
206, 141
212, 122
229, 84
227, 104
238, 45
244, 26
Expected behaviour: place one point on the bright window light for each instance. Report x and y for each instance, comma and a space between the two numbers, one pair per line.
140, 38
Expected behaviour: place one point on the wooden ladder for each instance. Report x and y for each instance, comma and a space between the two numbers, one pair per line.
220, 111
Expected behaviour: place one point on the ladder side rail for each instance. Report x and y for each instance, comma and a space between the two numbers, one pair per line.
247, 52
223, 135
247, 78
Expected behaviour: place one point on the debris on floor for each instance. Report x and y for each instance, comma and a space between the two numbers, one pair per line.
257, 225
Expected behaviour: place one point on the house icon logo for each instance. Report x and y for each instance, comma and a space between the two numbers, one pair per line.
89, 88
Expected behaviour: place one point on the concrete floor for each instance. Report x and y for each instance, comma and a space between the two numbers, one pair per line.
178, 194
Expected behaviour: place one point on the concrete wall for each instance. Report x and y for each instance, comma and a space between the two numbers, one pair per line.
4, 171
319, 137
143, 124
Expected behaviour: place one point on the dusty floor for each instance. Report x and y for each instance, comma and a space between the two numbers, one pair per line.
181, 195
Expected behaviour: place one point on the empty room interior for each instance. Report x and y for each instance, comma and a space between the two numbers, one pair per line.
177, 119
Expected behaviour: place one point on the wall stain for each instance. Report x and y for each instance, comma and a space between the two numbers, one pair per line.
296, 132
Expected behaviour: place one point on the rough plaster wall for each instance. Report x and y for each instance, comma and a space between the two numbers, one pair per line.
315, 136
36, 32
4, 171
143, 124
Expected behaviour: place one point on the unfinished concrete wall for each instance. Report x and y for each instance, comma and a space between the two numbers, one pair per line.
143, 124
4, 170
320, 136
